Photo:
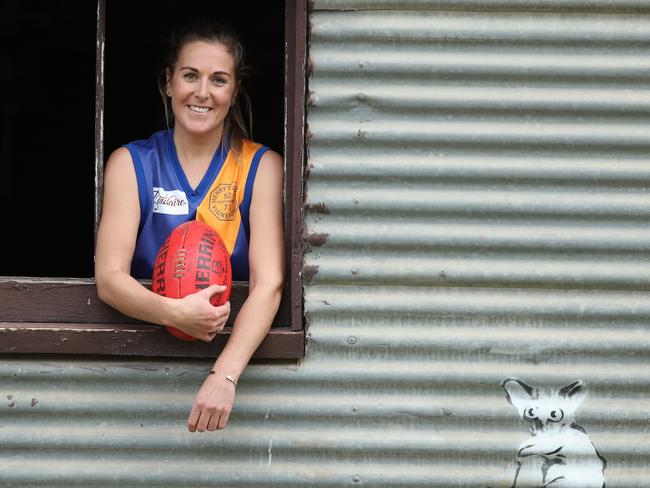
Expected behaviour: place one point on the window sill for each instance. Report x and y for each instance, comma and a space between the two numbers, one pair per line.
65, 316
132, 340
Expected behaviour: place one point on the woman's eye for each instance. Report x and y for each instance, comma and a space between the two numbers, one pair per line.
189, 76
219, 81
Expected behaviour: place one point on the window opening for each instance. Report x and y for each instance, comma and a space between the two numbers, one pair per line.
47, 54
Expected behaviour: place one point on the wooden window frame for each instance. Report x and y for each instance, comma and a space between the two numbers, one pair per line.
65, 316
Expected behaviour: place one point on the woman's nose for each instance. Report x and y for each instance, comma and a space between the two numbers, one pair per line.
202, 89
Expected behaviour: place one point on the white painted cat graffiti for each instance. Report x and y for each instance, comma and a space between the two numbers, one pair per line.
558, 452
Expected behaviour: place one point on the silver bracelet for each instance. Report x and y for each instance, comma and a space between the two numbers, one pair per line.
228, 377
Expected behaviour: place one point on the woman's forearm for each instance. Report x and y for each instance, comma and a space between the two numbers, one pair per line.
126, 294
251, 327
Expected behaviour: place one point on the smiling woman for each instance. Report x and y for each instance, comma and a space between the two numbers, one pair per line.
138, 45
116, 50
216, 175
202, 85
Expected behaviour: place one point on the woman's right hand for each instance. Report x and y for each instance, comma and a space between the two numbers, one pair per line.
196, 316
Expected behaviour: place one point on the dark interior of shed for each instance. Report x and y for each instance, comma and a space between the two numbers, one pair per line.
47, 115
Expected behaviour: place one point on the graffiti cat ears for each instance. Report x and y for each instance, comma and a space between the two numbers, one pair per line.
516, 388
520, 394
569, 390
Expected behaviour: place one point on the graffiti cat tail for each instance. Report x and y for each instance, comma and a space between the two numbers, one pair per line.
558, 452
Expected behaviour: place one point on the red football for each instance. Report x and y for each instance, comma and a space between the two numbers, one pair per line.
192, 258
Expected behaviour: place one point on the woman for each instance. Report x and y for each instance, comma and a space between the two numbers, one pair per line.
203, 168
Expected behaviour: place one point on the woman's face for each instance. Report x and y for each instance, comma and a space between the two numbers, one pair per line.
202, 88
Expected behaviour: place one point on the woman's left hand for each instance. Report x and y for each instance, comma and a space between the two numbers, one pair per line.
212, 405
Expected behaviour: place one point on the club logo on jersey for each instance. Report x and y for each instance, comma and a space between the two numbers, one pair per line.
170, 202
223, 201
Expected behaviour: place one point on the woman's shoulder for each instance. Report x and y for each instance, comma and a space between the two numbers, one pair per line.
119, 162
156, 139
142, 151
122, 158
270, 166
253, 147
271, 157
257, 155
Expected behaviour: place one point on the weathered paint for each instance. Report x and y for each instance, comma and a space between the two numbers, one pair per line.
99, 110
477, 210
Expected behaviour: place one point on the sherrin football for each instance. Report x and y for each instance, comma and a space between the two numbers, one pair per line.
192, 258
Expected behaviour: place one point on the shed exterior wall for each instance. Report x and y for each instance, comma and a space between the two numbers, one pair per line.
476, 209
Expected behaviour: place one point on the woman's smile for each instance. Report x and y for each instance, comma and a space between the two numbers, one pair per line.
199, 109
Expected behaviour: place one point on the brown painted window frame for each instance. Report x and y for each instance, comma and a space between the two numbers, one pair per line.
65, 316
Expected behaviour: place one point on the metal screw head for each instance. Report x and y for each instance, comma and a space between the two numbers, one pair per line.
352, 340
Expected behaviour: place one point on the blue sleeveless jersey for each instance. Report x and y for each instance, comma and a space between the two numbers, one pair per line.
167, 199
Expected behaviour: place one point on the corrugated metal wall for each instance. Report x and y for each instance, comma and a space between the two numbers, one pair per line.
477, 209
481, 180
